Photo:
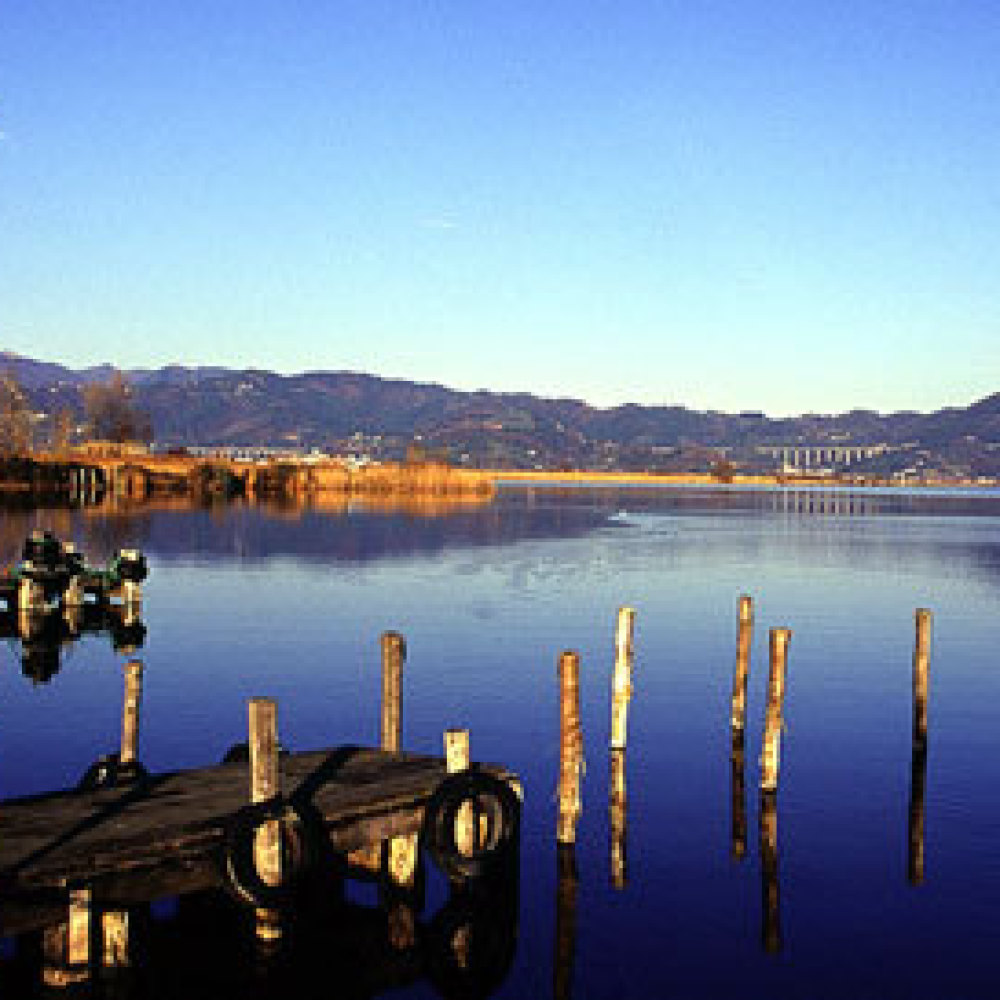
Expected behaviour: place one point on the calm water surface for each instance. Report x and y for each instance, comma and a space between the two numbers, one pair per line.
247, 601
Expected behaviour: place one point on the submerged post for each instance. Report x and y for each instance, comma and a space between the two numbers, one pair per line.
393, 654
617, 819
771, 903
566, 887
770, 755
621, 679
738, 710
570, 748
130, 712
738, 795
921, 674
457, 759
264, 786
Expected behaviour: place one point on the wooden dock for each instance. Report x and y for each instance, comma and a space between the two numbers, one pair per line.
163, 836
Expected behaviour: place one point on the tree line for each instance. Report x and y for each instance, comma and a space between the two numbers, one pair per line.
110, 413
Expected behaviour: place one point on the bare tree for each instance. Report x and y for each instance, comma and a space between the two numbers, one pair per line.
15, 418
112, 412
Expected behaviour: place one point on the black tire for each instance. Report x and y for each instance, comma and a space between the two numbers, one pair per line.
496, 800
299, 850
110, 772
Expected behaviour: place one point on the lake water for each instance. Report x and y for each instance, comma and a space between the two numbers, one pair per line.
245, 601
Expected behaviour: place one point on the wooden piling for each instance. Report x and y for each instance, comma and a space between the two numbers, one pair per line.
744, 634
738, 849
457, 758
618, 820
66, 946
771, 752
570, 748
114, 939
921, 674
393, 655
565, 937
770, 889
130, 712
621, 678
264, 786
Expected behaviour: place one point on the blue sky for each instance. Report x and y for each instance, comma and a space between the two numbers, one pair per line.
785, 206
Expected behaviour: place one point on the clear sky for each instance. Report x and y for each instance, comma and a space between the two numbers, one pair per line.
778, 205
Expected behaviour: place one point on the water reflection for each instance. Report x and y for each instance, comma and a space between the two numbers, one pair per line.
617, 820
770, 897
738, 810
565, 941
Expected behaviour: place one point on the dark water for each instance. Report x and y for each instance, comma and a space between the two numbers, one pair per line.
243, 602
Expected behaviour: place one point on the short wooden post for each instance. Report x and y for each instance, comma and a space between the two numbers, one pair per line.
566, 888
66, 946
744, 634
457, 758
738, 793
621, 678
570, 748
130, 712
771, 931
921, 673
617, 820
393, 654
770, 756
264, 786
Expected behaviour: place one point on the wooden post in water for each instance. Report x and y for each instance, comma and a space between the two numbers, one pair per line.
738, 795
457, 758
393, 654
130, 712
921, 674
918, 757
114, 939
738, 710
771, 930
621, 678
771, 752
618, 819
570, 748
566, 886
264, 786
66, 946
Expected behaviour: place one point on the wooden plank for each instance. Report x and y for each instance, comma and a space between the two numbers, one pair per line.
362, 796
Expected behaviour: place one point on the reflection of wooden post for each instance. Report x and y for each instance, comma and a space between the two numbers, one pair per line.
621, 681
114, 935
130, 712
770, 755
457, 758
264, 786
566, 883
570, 748
739, 805
66, 946
744, 634
918, 782
921, 673
618, 817
393, 654
769, 872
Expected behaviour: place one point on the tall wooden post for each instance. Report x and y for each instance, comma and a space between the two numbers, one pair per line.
130, 712
770, 755
921, 674
570, 748
771, 903
264, 786
621, 679
618, 820
744, 634
393, 654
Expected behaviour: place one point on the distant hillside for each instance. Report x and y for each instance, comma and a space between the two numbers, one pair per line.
219, 406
